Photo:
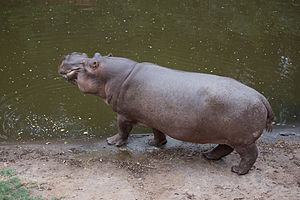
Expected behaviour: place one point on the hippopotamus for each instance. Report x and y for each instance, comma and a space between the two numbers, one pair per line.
188, 106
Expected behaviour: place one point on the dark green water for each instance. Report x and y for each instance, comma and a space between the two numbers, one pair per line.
255, 42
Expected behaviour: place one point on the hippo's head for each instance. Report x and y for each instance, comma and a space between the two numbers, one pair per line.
82, 71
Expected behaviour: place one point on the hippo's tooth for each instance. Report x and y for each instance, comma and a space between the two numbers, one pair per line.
64, 76
70, 74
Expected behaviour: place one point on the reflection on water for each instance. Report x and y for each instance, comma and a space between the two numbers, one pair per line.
257, 43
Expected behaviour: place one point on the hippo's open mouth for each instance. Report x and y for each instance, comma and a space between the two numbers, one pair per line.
71, 75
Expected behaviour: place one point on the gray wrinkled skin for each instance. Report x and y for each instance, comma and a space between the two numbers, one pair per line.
191, 107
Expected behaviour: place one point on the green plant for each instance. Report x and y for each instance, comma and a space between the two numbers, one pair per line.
11, 188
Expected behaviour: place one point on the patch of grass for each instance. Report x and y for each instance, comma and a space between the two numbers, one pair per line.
8, 172
11, 187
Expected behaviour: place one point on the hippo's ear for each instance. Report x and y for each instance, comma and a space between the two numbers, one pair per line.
109, 55
97, 55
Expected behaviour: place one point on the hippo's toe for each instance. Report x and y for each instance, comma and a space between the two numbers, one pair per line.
116, 140
238, 170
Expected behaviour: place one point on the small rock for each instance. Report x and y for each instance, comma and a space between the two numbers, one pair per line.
287, 133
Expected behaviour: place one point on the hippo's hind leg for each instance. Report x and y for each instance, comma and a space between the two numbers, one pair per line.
248, 156
124, 128
218, 152
159, 138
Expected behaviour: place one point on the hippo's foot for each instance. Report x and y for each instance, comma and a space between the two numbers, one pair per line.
159, 138
238, 170
116, 140
157, 143
218, 152
248, 156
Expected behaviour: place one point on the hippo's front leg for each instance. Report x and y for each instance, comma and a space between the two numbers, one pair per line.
124, 128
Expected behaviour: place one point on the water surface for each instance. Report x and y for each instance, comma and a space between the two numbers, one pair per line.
255, 42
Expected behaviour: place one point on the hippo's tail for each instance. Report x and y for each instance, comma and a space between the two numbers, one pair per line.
270, 115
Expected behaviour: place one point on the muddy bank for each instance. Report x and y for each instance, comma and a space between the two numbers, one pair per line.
93, 170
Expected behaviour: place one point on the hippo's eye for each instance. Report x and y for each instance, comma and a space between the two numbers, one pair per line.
94, 65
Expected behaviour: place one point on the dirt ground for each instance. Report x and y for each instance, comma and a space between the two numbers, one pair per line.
94, 170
